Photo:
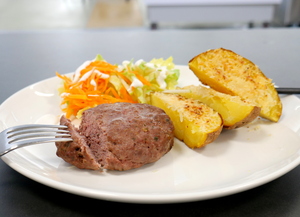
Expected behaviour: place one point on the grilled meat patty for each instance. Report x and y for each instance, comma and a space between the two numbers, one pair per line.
119, 136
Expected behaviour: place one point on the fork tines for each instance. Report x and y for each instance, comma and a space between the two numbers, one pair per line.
35, 133
31, 134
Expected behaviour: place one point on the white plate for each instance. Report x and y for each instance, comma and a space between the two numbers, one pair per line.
237, 161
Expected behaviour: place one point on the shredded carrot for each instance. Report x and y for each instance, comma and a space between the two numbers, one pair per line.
140, 77
125, 94
92, 89
124, 78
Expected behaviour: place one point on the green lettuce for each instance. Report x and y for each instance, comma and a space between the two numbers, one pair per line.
160, 74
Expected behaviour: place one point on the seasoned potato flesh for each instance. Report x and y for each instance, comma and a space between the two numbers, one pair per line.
234, 111
228, 72
195, 123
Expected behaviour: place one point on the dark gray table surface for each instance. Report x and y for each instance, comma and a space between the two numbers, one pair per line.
28, 57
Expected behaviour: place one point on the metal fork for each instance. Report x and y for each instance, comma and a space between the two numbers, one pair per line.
30, 134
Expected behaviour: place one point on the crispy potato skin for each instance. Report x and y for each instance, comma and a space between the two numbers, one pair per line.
254, 114
212, 136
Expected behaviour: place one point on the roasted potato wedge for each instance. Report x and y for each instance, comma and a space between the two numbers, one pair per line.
230, 73
234, 111
195, 123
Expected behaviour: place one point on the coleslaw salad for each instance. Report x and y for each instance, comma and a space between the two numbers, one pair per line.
96, 82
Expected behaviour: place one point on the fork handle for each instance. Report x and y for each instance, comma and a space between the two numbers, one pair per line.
288, 90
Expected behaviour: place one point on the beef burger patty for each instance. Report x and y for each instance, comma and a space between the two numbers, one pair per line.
119, 136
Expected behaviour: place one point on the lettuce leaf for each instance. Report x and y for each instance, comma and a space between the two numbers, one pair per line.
159, 74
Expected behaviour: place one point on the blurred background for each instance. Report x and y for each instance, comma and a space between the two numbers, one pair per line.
152, 14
